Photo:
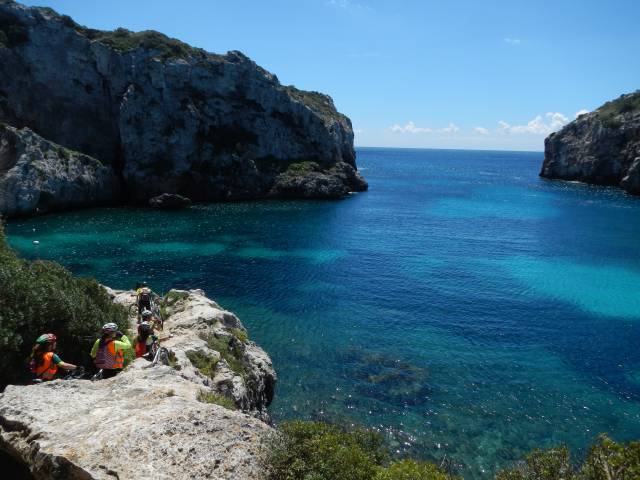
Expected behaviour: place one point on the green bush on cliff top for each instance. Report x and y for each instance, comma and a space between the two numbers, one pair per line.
624, 104
319, 451
39, 297
606, 460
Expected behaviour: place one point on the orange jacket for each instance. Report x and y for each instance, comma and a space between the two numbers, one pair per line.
48, 369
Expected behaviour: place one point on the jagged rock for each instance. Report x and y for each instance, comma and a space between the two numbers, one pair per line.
168, 117
601, 147
147, 422
39, 176
169, 201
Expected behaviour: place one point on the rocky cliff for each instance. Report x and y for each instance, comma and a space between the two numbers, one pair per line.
40, 176
162, 421
167, 117
601, 147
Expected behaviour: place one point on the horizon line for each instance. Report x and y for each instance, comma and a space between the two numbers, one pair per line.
463, 149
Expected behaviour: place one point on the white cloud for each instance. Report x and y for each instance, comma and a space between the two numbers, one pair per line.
451, 128
410, 127
512, 41
581, 112
538, 126
345, 4
358, 131
481, 130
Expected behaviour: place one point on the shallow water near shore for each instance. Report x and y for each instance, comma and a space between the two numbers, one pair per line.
463, 306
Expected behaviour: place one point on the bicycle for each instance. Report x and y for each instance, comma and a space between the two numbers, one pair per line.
76, 374
98, 376
157, 354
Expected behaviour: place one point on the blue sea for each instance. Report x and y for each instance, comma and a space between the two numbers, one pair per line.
463, 306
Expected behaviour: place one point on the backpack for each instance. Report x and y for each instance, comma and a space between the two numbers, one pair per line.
145, 295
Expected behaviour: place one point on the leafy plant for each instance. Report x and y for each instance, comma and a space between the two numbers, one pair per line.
609, 112
606, 460
240, 334
43, 297
411, 470
218, 399
203, 362
319, 451
231, 354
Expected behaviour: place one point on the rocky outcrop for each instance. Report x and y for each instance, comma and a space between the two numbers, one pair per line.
601, 147
169, 201
169, 118
152, 421
40, 176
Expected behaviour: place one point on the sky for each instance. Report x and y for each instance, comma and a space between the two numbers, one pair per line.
474, 74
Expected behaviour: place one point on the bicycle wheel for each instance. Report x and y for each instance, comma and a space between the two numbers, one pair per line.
162, 356
133, 310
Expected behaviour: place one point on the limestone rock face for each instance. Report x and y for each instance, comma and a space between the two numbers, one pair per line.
38, 176
601, 147
150, 421
169, 118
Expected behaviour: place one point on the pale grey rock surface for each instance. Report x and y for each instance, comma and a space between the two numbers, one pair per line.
147, 422
38, 176
168, 117
601, 147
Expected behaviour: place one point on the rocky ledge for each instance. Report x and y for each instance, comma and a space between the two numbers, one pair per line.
601, 147
38, 176
152, 421
165, 117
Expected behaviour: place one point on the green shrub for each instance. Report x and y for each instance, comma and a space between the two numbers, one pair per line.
318, 102
41, 297
606, 460
213, 397
548, 464
203, 362
319, 451
411, 470
240, 334
624, 104
232, 355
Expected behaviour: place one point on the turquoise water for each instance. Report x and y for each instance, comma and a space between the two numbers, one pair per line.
462, 306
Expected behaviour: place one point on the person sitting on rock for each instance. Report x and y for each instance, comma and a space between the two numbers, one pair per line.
108, 350
43, 362
146, 338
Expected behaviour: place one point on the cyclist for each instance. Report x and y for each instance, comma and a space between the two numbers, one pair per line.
146, 338
43, 362
108, 350
148, 316
143, 298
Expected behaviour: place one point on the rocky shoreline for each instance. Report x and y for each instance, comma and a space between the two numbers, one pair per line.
601, 147
121, 117
152, 421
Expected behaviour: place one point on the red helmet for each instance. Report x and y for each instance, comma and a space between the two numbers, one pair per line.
46, 338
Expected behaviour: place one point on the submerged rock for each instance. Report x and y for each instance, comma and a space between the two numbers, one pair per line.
601, 147
169, 201
170, 118
150, 421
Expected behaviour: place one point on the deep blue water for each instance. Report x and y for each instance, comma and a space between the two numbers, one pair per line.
463, 305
